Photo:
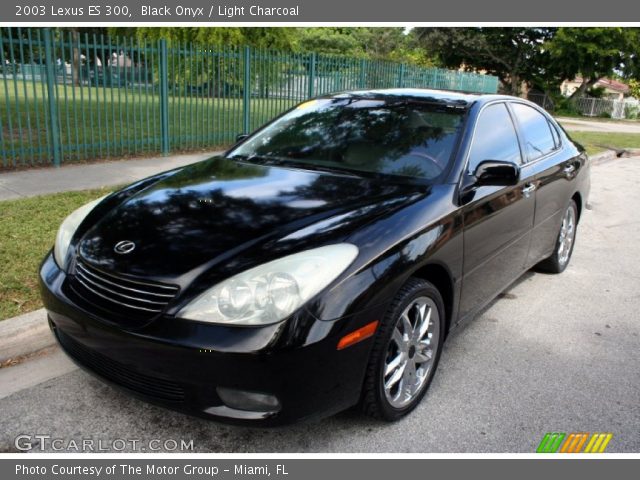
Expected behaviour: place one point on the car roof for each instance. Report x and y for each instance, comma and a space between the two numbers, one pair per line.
448, 97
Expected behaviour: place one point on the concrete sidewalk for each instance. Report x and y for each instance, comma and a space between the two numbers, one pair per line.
41, 181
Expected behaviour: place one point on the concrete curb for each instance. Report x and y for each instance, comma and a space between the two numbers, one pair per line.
612, 155
24, 334
603, 157
631, 152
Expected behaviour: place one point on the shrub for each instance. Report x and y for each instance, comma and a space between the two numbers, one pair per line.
566, 107
596, 92
631, 111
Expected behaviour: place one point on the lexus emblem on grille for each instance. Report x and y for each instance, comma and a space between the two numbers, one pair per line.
124, 246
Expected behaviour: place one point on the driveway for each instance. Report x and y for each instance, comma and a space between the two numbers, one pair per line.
555, 353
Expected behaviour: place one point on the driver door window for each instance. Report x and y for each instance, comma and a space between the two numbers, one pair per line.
494, 138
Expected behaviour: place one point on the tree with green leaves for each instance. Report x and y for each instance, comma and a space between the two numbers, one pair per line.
634, 88
593, 53
539, 57
331, 40
379, 43
513, 54
276, 38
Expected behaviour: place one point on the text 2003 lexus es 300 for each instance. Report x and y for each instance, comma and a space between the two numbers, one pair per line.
321, 261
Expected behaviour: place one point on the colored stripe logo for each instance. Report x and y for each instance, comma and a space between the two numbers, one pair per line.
557, 442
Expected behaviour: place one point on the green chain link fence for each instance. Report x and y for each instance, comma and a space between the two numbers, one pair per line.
67, 97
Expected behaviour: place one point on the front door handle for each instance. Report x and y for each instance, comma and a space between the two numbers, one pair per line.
528, 189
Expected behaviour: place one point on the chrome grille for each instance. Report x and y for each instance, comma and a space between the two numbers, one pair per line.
125, 297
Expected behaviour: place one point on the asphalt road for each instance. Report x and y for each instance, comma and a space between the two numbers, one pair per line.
555, 353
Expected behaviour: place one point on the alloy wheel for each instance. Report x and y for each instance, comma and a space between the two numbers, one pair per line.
567, 235
411, 352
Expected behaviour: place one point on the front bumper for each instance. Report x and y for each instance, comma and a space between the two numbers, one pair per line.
179, 364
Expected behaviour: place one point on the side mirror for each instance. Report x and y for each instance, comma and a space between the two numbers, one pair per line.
497, 173
241, 137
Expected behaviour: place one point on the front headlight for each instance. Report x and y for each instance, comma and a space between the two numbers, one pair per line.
271, 292
68, 228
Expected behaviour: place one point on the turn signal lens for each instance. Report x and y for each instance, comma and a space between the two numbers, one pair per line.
358, 335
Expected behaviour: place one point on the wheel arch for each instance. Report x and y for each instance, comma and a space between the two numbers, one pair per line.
441, 278
578, 199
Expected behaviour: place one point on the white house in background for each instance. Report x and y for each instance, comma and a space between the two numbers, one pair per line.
613, 89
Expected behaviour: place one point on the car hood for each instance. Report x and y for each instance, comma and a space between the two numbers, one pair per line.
219, 208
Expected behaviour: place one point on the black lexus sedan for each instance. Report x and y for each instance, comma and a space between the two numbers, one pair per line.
320, 262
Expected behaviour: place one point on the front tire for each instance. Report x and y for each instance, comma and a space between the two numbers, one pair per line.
565, 242
405, 353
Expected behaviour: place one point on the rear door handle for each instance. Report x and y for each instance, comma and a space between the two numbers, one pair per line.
528, 189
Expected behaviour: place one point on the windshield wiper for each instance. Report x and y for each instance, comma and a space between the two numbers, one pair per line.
249, 158
287, 162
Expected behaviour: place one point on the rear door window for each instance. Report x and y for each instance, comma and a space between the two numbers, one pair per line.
538, 139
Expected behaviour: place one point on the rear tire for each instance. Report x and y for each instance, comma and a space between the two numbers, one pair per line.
565, 242
405, 353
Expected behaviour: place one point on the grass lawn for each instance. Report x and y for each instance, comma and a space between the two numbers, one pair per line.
27, 231
596, 142
98, 122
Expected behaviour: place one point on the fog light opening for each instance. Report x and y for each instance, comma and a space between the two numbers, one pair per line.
248, 401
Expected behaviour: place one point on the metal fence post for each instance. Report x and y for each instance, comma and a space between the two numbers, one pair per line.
164, 97
51, 97
363, 73
401, 76
312, 76
246, 91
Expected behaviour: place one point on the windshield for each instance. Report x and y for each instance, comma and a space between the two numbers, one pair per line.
383, 137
